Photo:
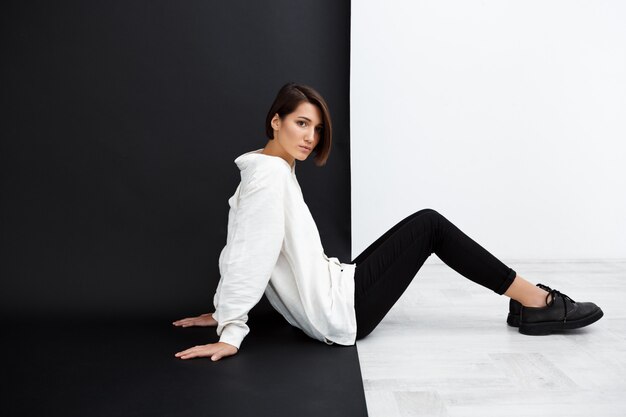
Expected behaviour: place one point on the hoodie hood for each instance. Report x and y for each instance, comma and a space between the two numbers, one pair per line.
255, 158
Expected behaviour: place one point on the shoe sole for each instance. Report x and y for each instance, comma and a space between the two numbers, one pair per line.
513, 320
545, 328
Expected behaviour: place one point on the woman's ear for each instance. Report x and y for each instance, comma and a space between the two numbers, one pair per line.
276, 122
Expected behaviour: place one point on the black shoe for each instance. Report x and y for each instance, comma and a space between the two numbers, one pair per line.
560, 314
515, 307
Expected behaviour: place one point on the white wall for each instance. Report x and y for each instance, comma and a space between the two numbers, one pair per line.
507, 117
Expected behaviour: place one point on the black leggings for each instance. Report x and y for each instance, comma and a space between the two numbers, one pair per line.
386, 268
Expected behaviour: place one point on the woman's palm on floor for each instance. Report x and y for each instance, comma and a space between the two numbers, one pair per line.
203, 320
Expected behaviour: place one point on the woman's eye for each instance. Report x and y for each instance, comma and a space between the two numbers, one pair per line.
319, 129
301, 121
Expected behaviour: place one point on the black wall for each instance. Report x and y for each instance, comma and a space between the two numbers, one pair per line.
120, 124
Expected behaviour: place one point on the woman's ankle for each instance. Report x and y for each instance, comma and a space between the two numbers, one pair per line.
541, 299
526, 293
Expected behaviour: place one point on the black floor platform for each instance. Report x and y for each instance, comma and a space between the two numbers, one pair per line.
127, 368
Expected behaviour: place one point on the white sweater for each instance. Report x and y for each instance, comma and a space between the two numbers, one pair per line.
273, 246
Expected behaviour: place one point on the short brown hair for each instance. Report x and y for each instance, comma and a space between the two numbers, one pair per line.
288, 98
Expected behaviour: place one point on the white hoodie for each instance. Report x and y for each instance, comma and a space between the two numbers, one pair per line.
273, 247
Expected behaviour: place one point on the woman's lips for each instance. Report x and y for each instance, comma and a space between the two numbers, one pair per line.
304, 148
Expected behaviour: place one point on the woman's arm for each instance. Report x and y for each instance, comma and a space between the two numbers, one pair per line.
249, 257
255, 244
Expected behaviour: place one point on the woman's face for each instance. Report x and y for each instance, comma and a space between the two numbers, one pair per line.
299, 132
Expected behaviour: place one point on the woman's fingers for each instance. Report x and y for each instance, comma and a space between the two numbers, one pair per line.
216, 351
193, 352
185, 321
205, 319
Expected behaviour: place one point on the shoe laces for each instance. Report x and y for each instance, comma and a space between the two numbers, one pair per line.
556, 293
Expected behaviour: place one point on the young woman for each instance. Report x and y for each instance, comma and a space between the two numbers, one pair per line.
273, 247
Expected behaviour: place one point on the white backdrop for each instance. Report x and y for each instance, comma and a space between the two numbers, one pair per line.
507, 117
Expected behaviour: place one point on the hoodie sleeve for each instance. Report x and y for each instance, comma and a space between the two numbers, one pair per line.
250, 255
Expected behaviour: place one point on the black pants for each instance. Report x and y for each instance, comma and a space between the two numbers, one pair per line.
386, 268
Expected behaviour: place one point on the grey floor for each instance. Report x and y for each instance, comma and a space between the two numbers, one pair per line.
445, 349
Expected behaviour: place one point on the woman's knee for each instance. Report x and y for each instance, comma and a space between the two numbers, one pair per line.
428, 219
428, 212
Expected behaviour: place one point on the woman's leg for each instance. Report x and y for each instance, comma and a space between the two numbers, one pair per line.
387, 267
383, 238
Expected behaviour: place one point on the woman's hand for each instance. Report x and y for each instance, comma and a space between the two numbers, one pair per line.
216, 351
202, 320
